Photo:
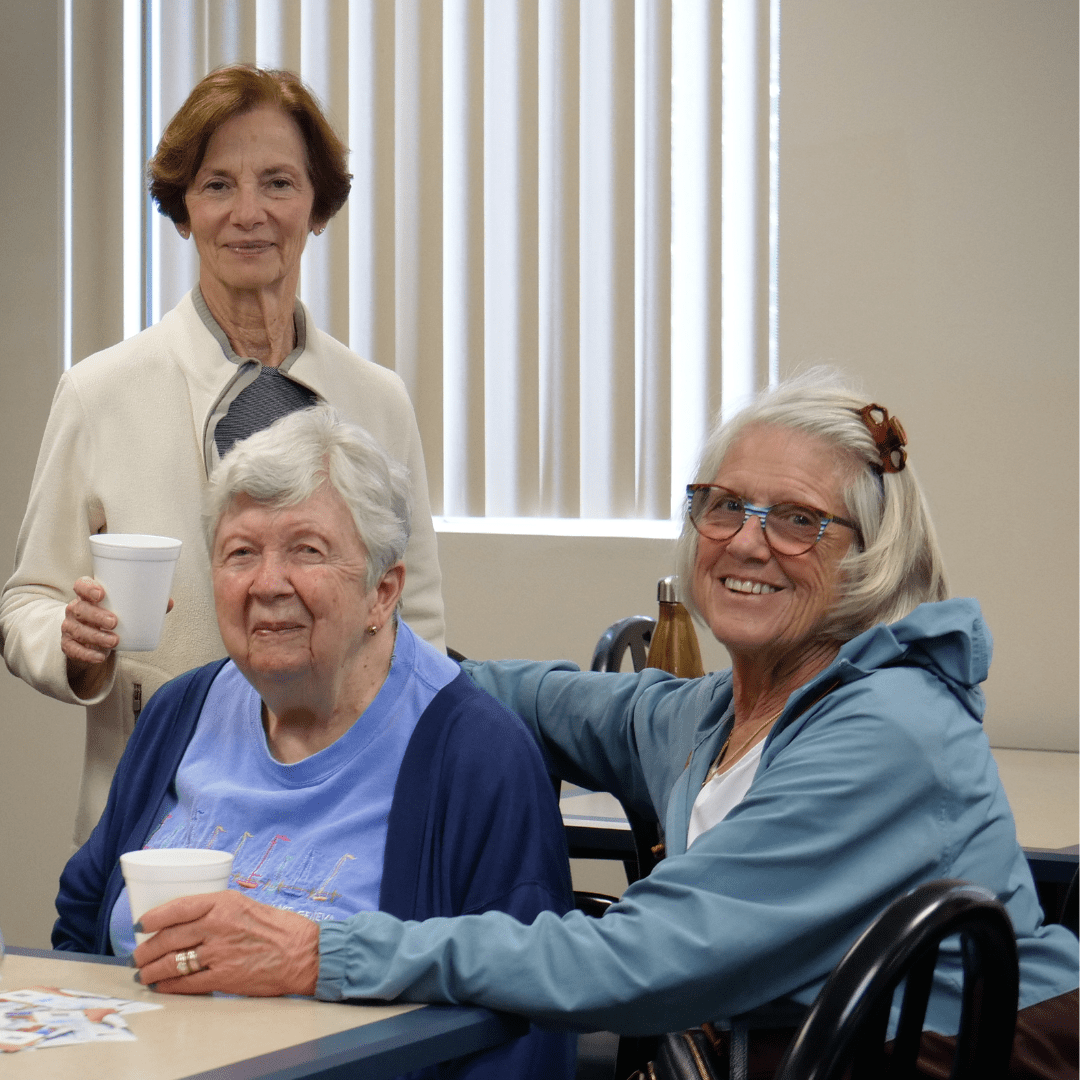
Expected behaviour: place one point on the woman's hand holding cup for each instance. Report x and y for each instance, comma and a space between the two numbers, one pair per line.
87, 638
240, 946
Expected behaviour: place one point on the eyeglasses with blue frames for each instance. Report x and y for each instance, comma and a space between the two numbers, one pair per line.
790, 529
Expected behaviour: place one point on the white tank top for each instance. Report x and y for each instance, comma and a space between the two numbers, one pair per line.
722, 794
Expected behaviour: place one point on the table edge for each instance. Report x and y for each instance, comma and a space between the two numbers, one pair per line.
63, 954
387, 1047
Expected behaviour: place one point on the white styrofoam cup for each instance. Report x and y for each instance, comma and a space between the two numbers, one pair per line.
136, 571
156, 875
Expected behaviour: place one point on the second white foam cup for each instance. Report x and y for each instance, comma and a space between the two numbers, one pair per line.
157, 875
136, 571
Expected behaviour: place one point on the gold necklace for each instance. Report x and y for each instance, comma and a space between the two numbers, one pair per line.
715, 767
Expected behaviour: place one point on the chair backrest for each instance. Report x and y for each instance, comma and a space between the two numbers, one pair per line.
846, 1025
1069, 915
633, 633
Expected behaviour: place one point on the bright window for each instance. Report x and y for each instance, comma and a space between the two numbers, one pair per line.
535, 240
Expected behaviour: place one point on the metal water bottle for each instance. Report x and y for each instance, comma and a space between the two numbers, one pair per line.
674, 646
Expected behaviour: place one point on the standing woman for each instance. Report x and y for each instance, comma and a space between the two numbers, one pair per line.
247, 168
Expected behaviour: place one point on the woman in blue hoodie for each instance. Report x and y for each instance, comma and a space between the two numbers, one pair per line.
839, 763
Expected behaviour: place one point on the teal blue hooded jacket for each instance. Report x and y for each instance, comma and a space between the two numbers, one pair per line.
884, 782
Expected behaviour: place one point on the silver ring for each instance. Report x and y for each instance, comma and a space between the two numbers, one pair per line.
193, 961
182, 963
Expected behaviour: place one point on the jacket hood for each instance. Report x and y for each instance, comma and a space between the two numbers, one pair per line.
948, 638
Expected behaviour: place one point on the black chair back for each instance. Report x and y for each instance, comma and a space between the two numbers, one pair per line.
633, 633
1068, 916
846, 1025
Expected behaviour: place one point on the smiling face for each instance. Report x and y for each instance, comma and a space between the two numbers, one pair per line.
755, 602
290, 592
249, 205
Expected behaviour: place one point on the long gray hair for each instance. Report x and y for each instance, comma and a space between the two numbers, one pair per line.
898, 565
286, 463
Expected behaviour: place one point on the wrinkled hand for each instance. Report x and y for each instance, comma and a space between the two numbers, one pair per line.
87, 638
243, 947
86, 634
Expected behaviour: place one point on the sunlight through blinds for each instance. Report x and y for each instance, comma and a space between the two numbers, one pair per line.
533, 239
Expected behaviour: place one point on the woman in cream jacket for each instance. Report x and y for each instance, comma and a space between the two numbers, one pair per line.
248, 168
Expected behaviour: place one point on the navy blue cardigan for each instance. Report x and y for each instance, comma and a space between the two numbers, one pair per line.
474, 826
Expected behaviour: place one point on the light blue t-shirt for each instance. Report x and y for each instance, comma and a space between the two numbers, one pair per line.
308, 837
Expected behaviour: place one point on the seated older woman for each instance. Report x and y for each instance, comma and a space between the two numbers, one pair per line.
349, 765
839, 763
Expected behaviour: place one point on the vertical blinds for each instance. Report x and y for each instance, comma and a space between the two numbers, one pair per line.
533, 239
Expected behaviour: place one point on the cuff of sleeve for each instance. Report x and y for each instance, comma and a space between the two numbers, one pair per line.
103, 691
332, 961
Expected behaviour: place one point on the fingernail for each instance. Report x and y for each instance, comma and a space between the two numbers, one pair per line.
138, 928
131, 961
135, 977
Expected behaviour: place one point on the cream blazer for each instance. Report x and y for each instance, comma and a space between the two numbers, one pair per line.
127, 448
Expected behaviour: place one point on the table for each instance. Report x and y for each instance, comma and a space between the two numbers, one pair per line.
1042, 789
234, 1038
1043, 793
596, 827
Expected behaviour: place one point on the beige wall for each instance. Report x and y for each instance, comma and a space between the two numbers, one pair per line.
40, 740
928, 245
549, 597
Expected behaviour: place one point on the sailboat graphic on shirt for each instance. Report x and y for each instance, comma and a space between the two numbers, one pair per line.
253, 880
286, 877
320, 894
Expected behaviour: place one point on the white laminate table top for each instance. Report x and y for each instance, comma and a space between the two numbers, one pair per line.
1043, 787
188, 1036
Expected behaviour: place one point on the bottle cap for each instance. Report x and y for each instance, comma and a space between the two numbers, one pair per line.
667, 589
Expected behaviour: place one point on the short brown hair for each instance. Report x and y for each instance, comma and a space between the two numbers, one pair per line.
232, 91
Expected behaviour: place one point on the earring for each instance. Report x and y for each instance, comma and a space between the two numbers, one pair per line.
318, 230
372, 631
